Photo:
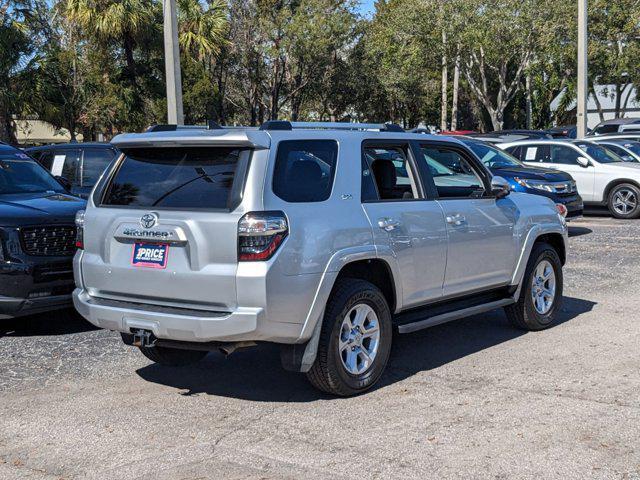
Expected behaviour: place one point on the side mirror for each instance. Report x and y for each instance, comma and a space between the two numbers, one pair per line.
66, 184
583, 162
500, 188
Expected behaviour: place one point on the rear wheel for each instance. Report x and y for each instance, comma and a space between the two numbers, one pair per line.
173, 357
624, 201
541, 293
355, 339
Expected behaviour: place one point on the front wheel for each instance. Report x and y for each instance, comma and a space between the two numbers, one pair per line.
355, 339
541, 293
624, 201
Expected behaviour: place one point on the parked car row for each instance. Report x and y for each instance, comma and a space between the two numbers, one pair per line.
602, 177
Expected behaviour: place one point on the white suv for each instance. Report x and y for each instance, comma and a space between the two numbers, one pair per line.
602, 177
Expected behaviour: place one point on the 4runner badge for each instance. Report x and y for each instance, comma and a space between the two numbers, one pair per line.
149, 220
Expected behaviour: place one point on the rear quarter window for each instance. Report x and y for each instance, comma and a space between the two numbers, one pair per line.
179, 178
304, 170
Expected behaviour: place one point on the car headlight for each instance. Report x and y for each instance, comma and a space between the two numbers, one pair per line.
535, 184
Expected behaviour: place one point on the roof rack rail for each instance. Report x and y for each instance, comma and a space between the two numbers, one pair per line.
286, 125
211, 125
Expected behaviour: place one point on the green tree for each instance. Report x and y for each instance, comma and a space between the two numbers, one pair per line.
16, 66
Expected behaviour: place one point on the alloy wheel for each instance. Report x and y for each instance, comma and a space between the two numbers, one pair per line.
359, 339
543, 287
624, 201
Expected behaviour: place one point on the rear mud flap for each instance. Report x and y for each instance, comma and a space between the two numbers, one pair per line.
300, 357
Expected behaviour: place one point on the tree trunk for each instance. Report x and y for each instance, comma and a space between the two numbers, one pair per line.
596, 100
497, 118
456, 88
618, 101
529, 101
131, 63
445, 74
7, 130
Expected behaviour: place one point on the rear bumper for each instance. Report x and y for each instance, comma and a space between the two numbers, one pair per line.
242, 324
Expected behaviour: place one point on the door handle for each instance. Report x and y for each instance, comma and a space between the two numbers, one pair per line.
456, 220
388, 224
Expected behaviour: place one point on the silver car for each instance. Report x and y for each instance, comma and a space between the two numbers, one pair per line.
323, 238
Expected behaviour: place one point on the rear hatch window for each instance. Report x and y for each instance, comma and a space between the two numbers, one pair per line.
179, 178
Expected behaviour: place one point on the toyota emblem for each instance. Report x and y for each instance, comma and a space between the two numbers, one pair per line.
148, 220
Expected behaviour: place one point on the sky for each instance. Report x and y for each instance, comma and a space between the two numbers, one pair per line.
366, 7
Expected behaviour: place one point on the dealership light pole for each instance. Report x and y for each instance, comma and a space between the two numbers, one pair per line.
583, 81
175, 114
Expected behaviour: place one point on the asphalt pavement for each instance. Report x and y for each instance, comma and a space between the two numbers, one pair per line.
472, 399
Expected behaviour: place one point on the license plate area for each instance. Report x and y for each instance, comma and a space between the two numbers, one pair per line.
150, 255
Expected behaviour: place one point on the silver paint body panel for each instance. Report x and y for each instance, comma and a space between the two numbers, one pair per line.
283, 299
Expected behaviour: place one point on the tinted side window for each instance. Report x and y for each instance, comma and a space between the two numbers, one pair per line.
45, 159
369, 192
453, 175
535, 153
94, 161
516, 152
194, 178
564, 155
391, 173
304, 170
66, 163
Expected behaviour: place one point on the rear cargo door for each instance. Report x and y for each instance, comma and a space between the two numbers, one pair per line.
165, 231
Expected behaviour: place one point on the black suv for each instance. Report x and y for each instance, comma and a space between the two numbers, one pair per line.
37, 237
79, 163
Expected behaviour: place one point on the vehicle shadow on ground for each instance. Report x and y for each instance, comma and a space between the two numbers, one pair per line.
255, 374
58, 322
578, 231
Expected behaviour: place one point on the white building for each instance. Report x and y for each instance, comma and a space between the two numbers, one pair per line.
607, 100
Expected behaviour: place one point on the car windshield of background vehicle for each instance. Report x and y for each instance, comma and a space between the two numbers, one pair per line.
599, 154
493, 157
602, 129
174, 178
21, 174
633, 147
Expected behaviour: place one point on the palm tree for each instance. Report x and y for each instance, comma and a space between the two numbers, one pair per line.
119, 21
202, 29
15, 69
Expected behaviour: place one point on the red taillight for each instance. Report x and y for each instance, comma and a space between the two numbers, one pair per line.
260, 234
80, 229
562, 210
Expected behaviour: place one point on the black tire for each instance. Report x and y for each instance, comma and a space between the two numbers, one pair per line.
173, 357
624, 189
328, 372
523, 314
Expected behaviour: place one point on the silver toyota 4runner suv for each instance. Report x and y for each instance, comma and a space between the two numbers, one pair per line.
323, 238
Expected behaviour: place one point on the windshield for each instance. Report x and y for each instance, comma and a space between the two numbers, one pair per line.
599, 154
633, 147
21, 174
493, 157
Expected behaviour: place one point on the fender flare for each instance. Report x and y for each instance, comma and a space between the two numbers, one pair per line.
534, 233
300, 356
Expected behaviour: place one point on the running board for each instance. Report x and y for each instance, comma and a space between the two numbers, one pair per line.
449, 316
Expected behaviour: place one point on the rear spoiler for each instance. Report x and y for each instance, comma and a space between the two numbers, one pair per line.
193, 136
